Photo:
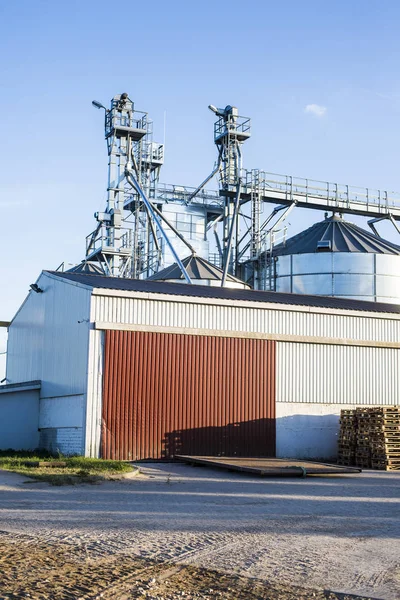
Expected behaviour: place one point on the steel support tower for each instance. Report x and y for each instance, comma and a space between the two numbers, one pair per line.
133, 232
125, 242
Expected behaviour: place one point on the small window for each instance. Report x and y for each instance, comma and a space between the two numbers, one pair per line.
324, 245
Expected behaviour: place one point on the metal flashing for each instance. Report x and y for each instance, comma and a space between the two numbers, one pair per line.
24, 386
252, 335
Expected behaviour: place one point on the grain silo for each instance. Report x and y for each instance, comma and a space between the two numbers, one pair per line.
334, 258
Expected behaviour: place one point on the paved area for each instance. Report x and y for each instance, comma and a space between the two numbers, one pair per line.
338, 533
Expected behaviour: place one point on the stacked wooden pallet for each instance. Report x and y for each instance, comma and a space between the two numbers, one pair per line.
370, 438
347, 438
363, 446
385, 439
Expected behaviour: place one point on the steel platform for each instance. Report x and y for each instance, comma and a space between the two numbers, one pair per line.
269, 467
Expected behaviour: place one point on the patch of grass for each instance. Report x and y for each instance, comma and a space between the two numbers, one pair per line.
78, 469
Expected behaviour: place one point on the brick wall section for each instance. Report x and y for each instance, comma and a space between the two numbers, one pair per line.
66, 440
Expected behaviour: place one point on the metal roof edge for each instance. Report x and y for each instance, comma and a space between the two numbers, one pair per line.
113, 286
53, 275
23, 386
262, 305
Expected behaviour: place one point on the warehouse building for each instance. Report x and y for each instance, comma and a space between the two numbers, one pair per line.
133, 369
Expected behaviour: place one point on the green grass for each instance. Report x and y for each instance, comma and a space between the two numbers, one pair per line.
78, 469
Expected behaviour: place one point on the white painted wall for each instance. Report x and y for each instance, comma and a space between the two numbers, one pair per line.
19, 420
49, 336
62, 440
64, 411
308, 430
61, 422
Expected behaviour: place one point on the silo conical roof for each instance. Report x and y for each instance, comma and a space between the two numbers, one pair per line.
86, 267
197, 268
338, 235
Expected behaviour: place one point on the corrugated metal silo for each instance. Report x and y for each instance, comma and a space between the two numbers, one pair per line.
334, 258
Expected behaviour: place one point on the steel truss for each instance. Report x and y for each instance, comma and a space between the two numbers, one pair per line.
133, 233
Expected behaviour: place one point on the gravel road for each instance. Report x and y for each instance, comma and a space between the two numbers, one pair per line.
178, 531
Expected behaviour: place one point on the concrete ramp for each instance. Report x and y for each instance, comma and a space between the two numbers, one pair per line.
269, 467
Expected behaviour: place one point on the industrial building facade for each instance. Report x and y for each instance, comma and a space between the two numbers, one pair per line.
138, 370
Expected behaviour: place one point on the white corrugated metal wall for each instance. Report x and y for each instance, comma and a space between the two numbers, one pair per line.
48, 340
222, 315
330, 374
315, 381
94, 394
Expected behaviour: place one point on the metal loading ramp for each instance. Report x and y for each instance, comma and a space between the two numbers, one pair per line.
269, 467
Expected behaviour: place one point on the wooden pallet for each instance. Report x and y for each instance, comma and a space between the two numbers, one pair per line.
370, 437
385, 466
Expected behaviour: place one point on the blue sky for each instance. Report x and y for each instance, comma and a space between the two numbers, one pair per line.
271, 59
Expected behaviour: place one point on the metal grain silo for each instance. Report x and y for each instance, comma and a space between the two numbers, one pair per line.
334, 258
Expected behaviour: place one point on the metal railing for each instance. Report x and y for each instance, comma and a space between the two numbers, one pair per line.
104, 237
332, 194
215, 259
135, 119
180, 193
153, 152
278, 188
235, 125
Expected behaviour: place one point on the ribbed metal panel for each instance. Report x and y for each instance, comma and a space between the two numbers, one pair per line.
167, 394
168, 313
49, 337
317, 373
341, 274
94, 393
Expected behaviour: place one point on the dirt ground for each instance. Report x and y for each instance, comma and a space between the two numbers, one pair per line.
184, 532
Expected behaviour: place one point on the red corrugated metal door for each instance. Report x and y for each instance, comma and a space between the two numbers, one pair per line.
166, 394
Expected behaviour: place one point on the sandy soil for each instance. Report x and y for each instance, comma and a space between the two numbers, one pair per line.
184, 532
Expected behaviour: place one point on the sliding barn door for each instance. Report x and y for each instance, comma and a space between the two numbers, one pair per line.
167, 394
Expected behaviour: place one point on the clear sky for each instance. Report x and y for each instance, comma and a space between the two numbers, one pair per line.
271, 59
